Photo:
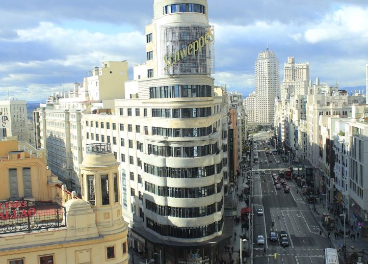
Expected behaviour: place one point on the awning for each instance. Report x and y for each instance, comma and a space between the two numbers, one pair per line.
246, 210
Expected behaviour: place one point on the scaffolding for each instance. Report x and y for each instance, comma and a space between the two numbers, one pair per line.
178, 38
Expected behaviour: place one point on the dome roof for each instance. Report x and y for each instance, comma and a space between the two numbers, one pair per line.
99, 160
77, 206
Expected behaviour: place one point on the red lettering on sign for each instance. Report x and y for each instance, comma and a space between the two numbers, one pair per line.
32, 211
24, 213
2, 216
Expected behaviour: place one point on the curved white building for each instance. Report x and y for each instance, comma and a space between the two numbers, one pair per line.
181, 136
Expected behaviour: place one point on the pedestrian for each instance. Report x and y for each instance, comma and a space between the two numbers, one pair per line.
264, 251
357, 235
232, 249
235, 234
320, 232
328, 234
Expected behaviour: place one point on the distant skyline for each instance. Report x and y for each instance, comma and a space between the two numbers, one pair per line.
47, 46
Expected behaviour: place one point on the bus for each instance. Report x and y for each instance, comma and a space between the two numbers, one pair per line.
331, 256
288, 174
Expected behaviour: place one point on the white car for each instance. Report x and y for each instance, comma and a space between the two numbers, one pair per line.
260, 211
260, 240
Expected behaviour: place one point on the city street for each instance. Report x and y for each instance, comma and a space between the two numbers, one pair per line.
286, 212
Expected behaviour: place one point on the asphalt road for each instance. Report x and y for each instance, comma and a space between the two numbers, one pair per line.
289, 213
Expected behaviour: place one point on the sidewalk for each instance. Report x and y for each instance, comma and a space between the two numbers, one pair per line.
352, 244
234, 244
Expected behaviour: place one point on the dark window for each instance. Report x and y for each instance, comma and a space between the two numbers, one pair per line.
137, 112
131, 160
102, 125
137, 129
110, 252
149, 38
114, 140
122, 158
150, 55
122, 142
145, 111
150, 73
121, 127
47, 260
27, 182
130, 143
108, 125
124, 248
91, 189
113, 126
129, 111
105, 189
116, 192
16, 261
121, 111
130, 128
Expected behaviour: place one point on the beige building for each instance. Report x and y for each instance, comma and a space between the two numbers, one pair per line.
43, 223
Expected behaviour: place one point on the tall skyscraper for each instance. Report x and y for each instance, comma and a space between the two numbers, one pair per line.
296, 79
267, 86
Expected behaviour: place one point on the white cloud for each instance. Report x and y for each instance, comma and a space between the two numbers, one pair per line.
348, 23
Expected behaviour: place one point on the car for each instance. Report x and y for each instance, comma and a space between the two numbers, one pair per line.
278, 162
278, 186
283, 234
284, 242
260, 211
287, 189
260, 240
273, 237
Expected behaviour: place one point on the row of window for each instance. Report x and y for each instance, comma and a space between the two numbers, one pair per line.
101, 124
181, 212
182, 112
182, 132
184, 8
185, 232
179, 91
173, 192
184, 173
50, 259
185, 152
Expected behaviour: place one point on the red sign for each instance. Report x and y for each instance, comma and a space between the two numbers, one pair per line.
15, 210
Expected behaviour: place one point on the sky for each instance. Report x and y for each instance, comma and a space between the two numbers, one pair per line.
46, 46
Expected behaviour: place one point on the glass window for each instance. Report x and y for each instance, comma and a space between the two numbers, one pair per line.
149, 38
130, 128
129, 111
108, 125
116, 192
102, 125
110, 252
105, 189
150, 73
91, 189
16, 261
150, 55
113, 126
124, 248
47, 260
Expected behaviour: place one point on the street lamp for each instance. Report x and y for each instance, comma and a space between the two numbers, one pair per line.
241, 249
344, 215
159, 255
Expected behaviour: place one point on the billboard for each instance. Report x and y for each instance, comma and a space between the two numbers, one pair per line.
188, 50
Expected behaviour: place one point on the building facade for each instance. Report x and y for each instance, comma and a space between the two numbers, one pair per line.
169, 132
13, 118
296, 79
250, 108
267, 82
58, 128
42, 222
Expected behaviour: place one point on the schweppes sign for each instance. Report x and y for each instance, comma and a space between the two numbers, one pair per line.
189, 50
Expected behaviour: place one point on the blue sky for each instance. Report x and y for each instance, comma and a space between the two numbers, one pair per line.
45, 46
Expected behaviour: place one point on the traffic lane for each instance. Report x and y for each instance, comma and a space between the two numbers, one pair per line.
259, 222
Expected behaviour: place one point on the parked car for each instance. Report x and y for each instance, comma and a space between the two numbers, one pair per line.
284, 242
278, 186
273, 237
287, 189
260, 240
